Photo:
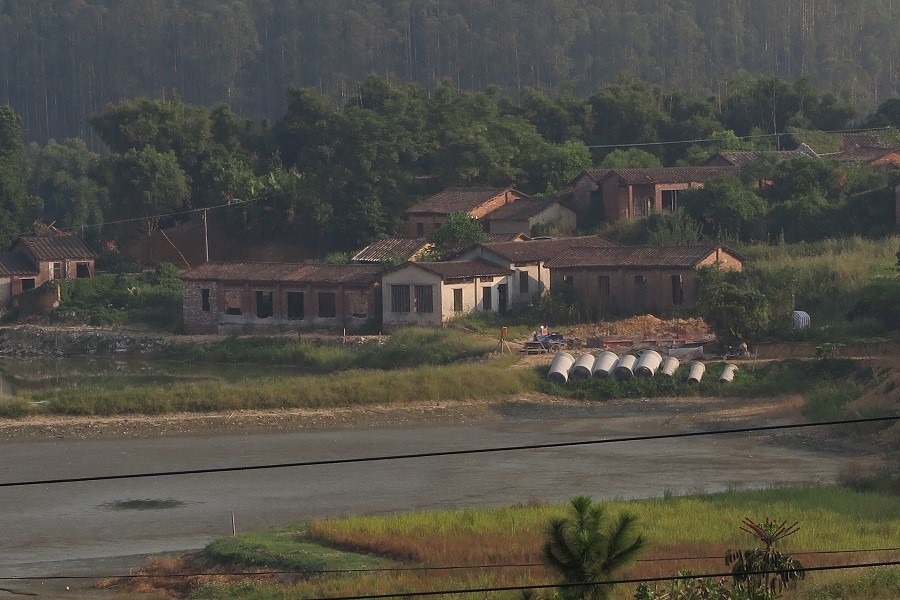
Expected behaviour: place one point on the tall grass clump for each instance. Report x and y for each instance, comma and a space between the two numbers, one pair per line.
423, 346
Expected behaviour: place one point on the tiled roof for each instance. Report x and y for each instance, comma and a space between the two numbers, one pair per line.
404, 247
670, 174
492, 238
544, 250
56, 247
458, 200
865, 154
458, 269
635, 256
13, 263
287, 272
595, 175
850, 141
520, 210
742, 158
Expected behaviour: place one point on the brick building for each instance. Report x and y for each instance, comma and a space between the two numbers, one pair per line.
34, 260
638, 279
277, 297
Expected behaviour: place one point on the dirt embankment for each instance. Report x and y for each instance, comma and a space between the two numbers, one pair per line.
38, 341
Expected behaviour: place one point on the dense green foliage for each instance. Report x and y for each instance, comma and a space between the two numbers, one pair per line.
458, 233
60, 61
16, 206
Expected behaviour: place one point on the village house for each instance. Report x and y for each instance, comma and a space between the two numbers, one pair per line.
638, 279
500, 210
390, 249
432, 293
34, 260
278, 297
877, 157
613, 194
527, 261
742, 158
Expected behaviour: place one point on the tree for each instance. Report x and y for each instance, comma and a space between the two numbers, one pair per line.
459, 232
630, 158
16, 206
585, 547
734, 311
748, 563
724, 205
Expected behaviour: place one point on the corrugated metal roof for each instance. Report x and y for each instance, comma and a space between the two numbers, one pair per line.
458, 200
543, 250
360, 274
636, 256
458, 269
670, 174
55, 247
520, 210
13, 263
403, 247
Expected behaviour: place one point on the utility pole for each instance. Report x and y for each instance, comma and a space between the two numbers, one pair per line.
205, 235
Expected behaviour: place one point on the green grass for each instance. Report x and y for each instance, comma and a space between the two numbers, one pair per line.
349, 388
830, 517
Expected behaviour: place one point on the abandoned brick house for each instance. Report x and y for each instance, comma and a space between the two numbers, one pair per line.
613, 194
277, 297
499, 210
528, 261
638, 279
34, 260
390, 249
432, 293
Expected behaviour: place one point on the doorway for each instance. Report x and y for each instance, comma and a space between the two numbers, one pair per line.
502, 298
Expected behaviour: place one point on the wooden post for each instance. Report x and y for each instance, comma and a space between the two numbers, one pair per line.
233, 528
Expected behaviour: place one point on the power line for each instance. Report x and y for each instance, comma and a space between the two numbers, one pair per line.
396, 569
441, 453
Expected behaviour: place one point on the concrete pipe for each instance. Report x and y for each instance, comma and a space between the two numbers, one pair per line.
583, 367
648, 363
604, 364
624, 369
669, 366
697, 370
728, 373
559, 368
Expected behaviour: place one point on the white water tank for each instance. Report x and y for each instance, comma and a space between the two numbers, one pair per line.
604, 364
696, 373
648, 363
583, 367
559, 368
624, 369
669, 366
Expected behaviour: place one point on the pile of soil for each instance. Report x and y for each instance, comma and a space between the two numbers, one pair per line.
643, 325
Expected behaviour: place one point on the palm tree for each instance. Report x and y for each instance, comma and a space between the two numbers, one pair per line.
586, 548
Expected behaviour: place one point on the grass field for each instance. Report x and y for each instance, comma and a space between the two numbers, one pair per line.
830, 518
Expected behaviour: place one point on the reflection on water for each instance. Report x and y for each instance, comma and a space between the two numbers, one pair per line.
24, 374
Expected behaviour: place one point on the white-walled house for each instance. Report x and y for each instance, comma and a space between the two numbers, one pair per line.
432, 293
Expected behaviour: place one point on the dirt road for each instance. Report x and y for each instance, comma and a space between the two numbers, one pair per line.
112, 525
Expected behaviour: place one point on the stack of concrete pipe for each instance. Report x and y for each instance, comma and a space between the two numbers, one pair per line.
583, 367
624, 368
604, 364
647, 364
728, 373
559, 368
696, 373
669, 366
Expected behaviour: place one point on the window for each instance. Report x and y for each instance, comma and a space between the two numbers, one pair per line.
400, 298
670, 200
640, 292
646, 205
204, 299
56, 272
523, 282
603, 285
327, 305
486, 298
420, 228
457, 300
424, 299
486, 278
264, 304
234, 302
28, 284
295, 306
677, 290
82, 270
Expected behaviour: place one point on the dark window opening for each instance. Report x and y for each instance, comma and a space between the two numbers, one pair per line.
486, 298
28, 284
327, 305
264, 304
523, 282
420, 228
670, 200
295, 306
424, 299
603, 285
56, 271
457, 300
400, 298
647, 206
486, 278
569, 281
640, 291
677, 290
233, 310
204, 299
82, 270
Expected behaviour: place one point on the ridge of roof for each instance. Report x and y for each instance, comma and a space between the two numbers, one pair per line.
637, 256
459, 199
543, 250
359, 273
452, 269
